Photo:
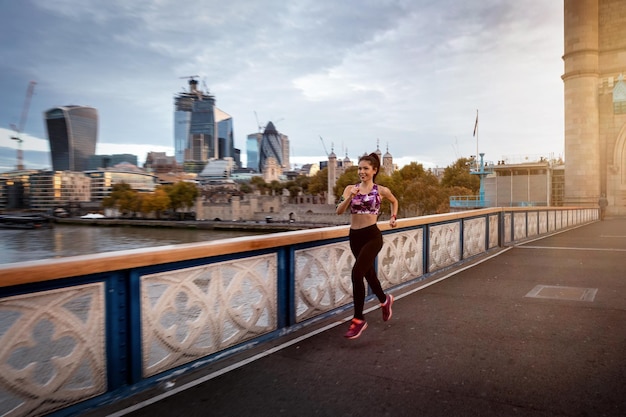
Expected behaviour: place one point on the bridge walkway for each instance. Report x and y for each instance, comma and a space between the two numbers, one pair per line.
538, 329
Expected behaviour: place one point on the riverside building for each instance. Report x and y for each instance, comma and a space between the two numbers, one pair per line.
106, 161
103, 180
51, 189
44, 190
537, 182
15, 189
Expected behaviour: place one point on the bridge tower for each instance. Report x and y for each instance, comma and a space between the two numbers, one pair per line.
595, 111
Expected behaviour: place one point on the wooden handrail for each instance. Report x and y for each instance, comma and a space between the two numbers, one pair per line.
58, 268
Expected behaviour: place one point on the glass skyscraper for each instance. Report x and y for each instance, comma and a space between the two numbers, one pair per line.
195, 136
225, 134
72, 134
182, 120
201, 130
271, 146
253, 144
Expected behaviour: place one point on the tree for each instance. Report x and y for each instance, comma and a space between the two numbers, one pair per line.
417, 190
182, 195
293, 188
318, 185
123, 198
455, 191
458, 175
155, 202
303, 182
260, 184
276, 187
245, 188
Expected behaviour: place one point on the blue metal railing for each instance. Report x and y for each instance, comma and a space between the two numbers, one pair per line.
474, 201
468, 201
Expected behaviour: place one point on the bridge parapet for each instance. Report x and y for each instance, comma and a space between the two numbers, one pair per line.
82, 331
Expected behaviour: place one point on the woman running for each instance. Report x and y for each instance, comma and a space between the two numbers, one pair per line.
366, 239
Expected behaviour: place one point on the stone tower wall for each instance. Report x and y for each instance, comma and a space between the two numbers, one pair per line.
595, 135
582, 143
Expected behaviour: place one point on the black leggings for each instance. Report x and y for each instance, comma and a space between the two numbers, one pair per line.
365, 244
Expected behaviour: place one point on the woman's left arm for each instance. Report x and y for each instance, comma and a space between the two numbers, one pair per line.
386, 193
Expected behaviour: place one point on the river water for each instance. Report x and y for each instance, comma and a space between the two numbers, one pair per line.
71, 240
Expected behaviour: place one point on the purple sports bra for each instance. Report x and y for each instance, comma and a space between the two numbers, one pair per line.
366, 203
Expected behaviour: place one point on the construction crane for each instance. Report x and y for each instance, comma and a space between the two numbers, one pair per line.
324, 145
193, 85
19, 129
262, 127
259, 125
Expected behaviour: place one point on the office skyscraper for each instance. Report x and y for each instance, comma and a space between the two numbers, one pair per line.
253, 144
72, 134
225, 134
195, 136
271, 147
284, 144
201, 130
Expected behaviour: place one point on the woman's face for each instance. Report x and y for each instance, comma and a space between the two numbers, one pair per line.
366, 170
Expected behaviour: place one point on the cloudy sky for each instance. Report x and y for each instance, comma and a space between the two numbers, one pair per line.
407, 74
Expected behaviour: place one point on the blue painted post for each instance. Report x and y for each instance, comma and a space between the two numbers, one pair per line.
286, 309
135, 366
117, 330
482, 182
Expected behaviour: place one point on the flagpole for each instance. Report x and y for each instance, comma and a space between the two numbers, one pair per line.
476, 134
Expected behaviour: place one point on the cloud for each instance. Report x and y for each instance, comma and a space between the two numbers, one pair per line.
408, 74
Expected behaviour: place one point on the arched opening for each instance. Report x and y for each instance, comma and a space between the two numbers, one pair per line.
619, 159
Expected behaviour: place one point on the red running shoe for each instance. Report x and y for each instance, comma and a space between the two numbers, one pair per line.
386, 307
356, 328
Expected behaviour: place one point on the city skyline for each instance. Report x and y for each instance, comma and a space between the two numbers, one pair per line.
409, 75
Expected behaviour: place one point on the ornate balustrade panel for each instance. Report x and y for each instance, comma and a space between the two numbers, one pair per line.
519, 226
533, 224
445, 241
402, 257
559, 219
507, 224
474, 236
190, 313
52, 350
322, 279
494, 231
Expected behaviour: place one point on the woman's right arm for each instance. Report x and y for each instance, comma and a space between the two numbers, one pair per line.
344, 201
